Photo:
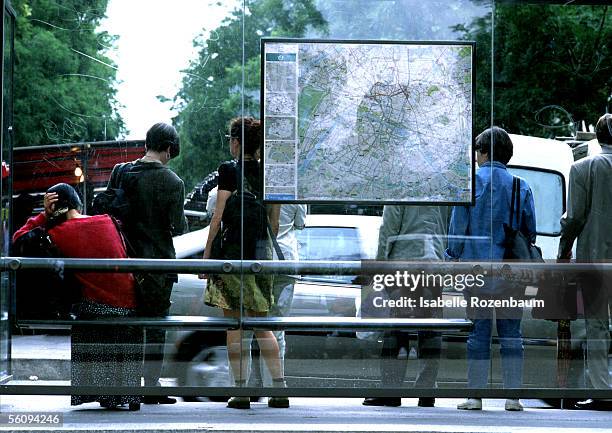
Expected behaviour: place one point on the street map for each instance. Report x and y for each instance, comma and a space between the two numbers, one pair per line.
367, 122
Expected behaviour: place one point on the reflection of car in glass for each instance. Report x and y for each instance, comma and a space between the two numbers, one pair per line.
340, 359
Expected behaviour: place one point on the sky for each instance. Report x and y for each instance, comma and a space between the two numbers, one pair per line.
155, 43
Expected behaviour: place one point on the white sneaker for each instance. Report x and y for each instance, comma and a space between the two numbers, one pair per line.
513, 404
471, 404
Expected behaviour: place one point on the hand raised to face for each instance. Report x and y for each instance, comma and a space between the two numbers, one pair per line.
49, 202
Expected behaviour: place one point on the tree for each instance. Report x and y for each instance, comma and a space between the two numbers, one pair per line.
64, 85
553, 67
212, 90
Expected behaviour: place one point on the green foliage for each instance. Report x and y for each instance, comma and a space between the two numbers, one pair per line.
553, 67
552, 62
212, 90
64, 86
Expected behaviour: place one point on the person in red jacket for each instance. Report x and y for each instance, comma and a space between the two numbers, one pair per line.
100, 355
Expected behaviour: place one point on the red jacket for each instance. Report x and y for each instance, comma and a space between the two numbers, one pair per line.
91, 237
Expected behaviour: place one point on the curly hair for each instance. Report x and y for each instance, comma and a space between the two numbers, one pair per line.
252, 133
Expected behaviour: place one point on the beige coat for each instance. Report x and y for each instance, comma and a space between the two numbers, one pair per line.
413, 233
589, 209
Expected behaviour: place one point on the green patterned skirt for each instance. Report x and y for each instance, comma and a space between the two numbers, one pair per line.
224, 291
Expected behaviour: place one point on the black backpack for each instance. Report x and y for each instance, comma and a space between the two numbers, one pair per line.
243, 205
114, 201
43, 294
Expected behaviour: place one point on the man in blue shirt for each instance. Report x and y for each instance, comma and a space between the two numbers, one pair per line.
477, 233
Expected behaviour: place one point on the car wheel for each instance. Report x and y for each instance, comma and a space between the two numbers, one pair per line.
209, 368
202, 360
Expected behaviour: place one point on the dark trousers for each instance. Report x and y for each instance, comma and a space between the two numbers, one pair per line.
155, 304
596, 295
429, 344
155, 340
393, 370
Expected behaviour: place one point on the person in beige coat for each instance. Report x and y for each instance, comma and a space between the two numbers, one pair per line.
588, 218
411, 233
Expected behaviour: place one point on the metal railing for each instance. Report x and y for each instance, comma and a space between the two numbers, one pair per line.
526, 273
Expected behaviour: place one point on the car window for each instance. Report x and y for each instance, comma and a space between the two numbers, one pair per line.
548, 195
331, 244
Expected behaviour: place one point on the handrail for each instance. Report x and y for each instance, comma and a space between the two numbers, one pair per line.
199, 322
520, 271
261, 323
351, 324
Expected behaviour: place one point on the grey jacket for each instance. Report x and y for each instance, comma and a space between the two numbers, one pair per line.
589, 209
413, 232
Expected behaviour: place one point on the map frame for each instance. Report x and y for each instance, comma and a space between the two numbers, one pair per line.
275, 40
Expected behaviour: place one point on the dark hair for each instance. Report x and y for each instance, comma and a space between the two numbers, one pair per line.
604, 129
67, 199
252, 133
161, 136
496, 143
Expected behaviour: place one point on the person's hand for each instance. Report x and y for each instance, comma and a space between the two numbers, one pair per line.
565, 259
49, 202
204, 276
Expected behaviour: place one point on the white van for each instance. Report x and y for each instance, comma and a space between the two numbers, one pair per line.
545, 165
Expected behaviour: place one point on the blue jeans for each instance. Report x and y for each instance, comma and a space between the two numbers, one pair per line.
479, 352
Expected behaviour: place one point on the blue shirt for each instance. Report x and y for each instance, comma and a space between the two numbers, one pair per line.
477, 232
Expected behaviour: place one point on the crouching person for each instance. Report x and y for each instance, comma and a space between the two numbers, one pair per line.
106, 356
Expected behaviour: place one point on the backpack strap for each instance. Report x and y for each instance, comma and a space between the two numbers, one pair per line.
518, 202
277, 248
512, 201
129, 250
125, 167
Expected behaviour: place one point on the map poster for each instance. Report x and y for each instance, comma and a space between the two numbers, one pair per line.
367, 121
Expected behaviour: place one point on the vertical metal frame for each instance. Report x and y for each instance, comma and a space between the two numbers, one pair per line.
6, 154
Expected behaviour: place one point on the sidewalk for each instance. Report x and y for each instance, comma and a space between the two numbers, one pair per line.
48, 358
308, 415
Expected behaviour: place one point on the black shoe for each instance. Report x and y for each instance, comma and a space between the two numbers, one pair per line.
278, 402
133, 407
426, 402
108, 405
383, 401
155, 399
592, 404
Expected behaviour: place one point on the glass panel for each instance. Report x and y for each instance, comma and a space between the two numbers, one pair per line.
103, 68
548, 196
549, 122
350, 232
6, 149
220, 79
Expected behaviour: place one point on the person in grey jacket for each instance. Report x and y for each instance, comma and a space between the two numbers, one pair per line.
588, 219
412, 233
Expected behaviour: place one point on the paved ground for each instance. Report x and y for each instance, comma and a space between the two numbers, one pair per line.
305, 415
309, 415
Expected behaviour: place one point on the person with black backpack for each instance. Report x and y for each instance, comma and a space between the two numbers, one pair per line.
148, 199
242, 227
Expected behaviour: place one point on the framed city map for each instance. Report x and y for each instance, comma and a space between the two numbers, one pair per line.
367, 121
